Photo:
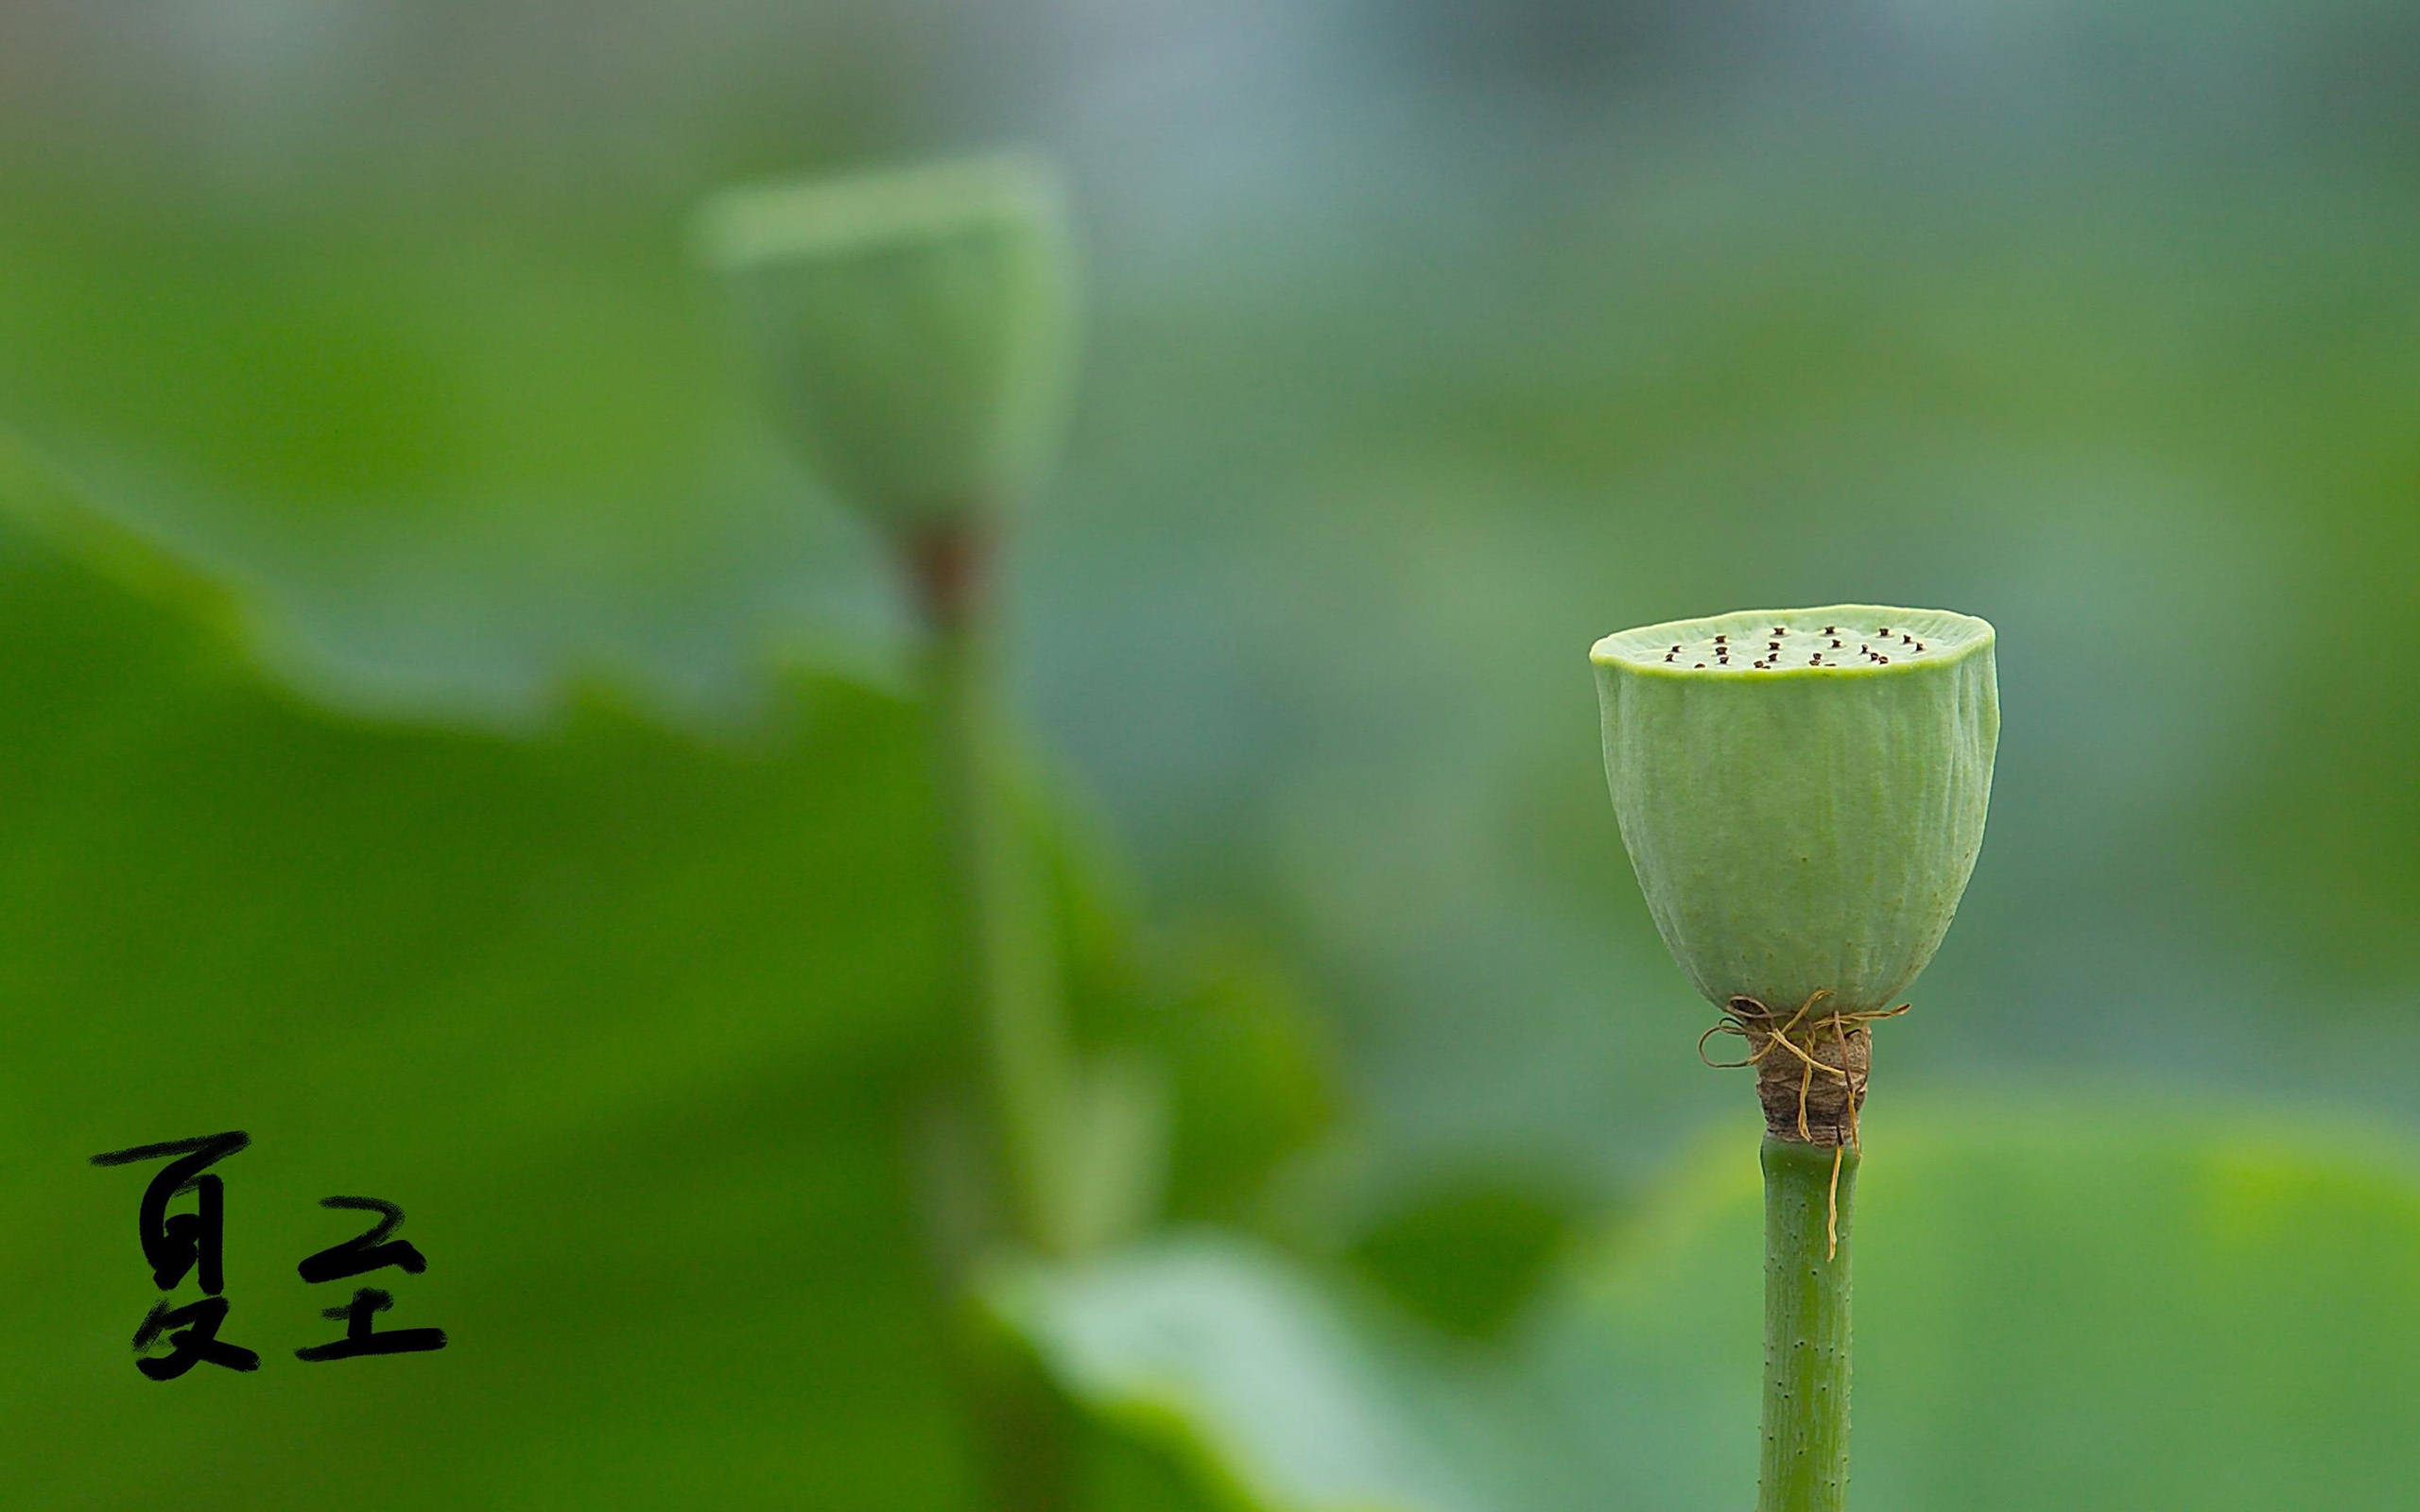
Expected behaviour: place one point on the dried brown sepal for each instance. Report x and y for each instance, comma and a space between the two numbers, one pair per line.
1811, 1065
948, 564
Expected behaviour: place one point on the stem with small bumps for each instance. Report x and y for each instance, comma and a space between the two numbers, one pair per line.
1806, 1464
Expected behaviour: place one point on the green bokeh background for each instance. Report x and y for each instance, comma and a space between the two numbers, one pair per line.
442, 733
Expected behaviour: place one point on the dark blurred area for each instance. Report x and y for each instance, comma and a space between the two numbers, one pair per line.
564, 766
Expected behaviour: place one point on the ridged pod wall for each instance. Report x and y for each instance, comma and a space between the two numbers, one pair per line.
1802, 792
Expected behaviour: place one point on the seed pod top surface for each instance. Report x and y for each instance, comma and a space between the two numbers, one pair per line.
916, 324
1802, 792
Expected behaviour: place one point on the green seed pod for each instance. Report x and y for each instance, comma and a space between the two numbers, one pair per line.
1802, 792
916, 324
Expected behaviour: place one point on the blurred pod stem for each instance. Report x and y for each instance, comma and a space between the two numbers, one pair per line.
1009, 963
1012, 995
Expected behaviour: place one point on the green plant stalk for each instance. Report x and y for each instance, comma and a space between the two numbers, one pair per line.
1806, 1462
1010, 963
1023, 1442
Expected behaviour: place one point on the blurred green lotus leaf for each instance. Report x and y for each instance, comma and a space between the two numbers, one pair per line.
639, 1027
2064, 1311
916, 324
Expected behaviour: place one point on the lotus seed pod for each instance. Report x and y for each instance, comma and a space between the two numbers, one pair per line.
1802, 792
915, 324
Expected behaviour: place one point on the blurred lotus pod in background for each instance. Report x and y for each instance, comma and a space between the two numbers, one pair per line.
1802, 791
916, 324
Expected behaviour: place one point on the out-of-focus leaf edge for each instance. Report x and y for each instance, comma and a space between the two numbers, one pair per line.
1164, 1427
37, 497
41, 500
1166, 1424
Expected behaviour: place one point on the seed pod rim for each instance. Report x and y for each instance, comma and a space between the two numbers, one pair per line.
871, 209
1639, 649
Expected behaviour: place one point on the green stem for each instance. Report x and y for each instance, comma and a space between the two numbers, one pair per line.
1011, 969
1023, 1441
1806, 1464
